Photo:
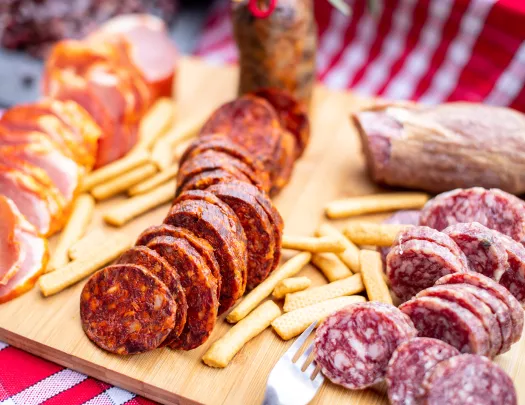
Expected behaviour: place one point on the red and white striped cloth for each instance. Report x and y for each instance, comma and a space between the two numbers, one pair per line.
427, 50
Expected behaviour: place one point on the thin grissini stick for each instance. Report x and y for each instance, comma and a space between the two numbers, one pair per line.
223, 350
149, 184
350, 256
155, 123
133, 207
162, 154
124, 182
348, 286
295, 322
81, 215
373, 279
290, 285
376, 203
313, 244
263, 290
83, 247
73, 272
370, 233
331, 266
115, 169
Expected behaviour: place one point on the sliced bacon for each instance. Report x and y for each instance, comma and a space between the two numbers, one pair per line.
10, 257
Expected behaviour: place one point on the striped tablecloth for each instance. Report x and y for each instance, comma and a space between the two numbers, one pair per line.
426, 50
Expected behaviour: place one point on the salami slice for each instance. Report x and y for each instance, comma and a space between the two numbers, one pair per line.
292, 115
404, 217
353, 345
212, 160
257, 228
221, 229
481, 281
468, 380
493, 208
407, 368
251, 122
158, 266
462, 297
199, 287
436, 318
514, 277
206, 179
415, 265
220, 143
485, 252
283, 162
200, 245
125, 309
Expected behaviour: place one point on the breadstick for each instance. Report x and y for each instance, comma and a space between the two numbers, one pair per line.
152, 182
263, 290
372, 273
369, 233
350, 256
162, 154
158, 119
115, 169
76, 225
371, 204
90, 241
73, 272
290, 285
122, 183
348, 286
295, 322
312, 244
127, 210
223, 350
331, 266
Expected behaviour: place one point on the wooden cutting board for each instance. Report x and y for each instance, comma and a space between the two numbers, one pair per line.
332, 167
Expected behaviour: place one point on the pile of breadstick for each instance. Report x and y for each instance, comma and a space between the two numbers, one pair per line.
353, 270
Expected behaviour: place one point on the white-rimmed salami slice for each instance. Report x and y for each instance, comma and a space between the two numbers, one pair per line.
407, 368
436, 318
514, 277
353, 345
468, 379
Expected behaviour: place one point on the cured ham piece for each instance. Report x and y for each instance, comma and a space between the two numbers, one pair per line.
10, 257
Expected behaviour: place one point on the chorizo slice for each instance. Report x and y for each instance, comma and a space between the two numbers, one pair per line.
221, 229
468, 379
206, 179
283, 162
409, 364
220, 143
250, 122
199, 287
200, 245
353, 345
292, 115
125, 309
257, 228
212, 160
492, 208
495, 289
416, 264
462, 297
436, 318
158, 266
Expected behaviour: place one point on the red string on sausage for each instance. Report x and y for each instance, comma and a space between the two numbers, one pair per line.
257, 12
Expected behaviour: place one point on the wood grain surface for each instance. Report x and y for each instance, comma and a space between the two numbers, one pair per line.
332, 167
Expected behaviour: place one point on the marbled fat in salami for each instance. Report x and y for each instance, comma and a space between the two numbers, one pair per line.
404, 217
514, 277
407, 368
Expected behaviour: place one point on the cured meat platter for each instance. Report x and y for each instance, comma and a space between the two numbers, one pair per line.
332, 167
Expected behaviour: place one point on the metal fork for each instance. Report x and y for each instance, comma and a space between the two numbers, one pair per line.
287, 383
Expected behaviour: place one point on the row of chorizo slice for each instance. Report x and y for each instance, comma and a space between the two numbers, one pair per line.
221, 237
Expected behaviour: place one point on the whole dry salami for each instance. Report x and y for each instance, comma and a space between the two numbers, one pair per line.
206, 179
125, 309
483, 247
415, 265
158, 266
514, 277
493, 208
407, 368
468, 379
436, 318
481, 281
353, 345
199, 286
257, 228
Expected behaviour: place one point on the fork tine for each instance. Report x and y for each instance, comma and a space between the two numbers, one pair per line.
304, 357
290, 353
